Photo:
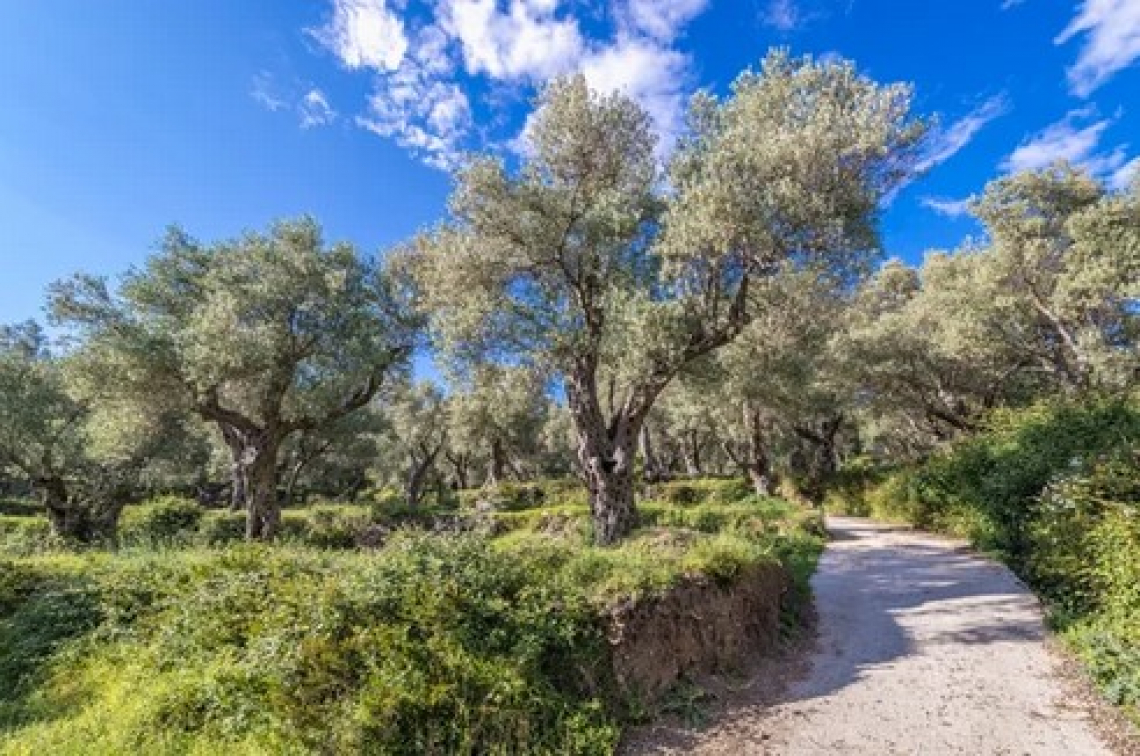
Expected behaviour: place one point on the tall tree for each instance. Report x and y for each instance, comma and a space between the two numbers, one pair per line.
580, 261
267, 335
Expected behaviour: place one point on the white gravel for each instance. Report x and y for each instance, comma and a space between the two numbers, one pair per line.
924, 648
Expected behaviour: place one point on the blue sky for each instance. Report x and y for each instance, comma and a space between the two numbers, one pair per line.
123, 116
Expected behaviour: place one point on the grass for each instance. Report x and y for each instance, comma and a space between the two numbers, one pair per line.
464, 644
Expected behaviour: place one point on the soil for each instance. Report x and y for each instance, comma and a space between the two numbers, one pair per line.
695, 629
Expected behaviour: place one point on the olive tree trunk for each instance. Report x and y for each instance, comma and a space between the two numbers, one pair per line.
607, 453
655, 470
823, 457
263, 512
497, 464
80, 519
757, 463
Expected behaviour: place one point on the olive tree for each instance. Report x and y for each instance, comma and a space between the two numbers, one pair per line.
414, 440
84, 459
1063, 264
583, 260
267, 335
496, 415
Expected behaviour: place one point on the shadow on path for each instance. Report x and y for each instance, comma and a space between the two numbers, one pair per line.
885, 595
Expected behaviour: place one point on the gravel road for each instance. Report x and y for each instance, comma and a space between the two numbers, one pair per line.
924, 648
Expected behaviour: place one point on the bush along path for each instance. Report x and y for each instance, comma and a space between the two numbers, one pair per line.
923, 648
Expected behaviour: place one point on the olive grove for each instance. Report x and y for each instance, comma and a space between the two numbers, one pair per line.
590, 262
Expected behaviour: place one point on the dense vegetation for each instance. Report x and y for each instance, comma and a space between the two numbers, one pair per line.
236, 522
459, 643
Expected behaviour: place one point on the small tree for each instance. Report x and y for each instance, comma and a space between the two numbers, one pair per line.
580, 262
414, 440
266, 336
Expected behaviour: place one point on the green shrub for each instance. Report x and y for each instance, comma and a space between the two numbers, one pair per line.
701, 491
20, 536
220, 527
434, 644
168, 519
512, 496
21, 507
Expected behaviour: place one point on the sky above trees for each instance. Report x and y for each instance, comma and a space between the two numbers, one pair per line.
221, 116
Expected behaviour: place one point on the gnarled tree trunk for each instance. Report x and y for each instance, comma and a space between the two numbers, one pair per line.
263, 512
692, 451
824, 457
607, 453
497, 464
757, 464
81, 519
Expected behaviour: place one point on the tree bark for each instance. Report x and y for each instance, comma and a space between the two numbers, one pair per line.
692, 453
82, 520
238, 496
757, 463
238, 488
66, 520
264, 510
497, 464
654, 471
607, 454
459, 468
414, 487
291, 481
609, 480
823, 460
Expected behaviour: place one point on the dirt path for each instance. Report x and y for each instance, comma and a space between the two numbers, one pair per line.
924, 648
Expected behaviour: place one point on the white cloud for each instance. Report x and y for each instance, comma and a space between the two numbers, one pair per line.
315, 110
783, 15
951, 208
652, 75
528, 41
1070, 141
429, 57
663, 19
364, 34
428, 117
1111, 30
1007, 4
1123, 176
947, 142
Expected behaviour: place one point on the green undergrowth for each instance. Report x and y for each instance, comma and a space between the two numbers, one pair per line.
1054, 491
433, 644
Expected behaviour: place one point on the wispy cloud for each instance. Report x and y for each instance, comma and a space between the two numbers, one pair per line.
315, 110
949, 141
1111, 32
1074, 139
951, 208
425, 57
662, 21
266, 93
783, 15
